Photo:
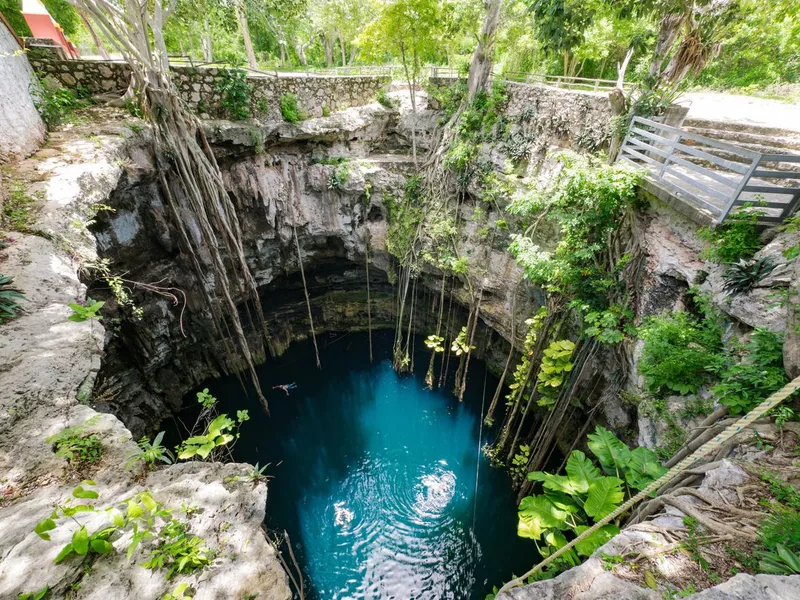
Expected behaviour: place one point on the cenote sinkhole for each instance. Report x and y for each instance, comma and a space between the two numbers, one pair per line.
375, 475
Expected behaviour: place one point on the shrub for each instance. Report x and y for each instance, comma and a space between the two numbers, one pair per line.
338, 177
760, 373
54, 104
573, 502
80, 449
9, 296
736, 238
742, 276
235, 93
679, 352
289, 108
17, 214
383, 98
781, 527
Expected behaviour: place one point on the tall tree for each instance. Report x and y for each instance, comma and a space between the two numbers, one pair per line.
238, 7
481, 66
408, 30
560, 25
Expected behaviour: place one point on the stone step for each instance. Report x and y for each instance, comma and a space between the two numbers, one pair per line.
741, 138
743, 127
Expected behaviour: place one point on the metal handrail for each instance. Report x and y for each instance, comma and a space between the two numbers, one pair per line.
667, 153
583, 83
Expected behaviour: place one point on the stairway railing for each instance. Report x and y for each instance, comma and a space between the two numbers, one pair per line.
741, 177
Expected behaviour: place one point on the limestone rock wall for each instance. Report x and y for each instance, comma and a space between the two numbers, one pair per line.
200, 87
47, 366
21, 127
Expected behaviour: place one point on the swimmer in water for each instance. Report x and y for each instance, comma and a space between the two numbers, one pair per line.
285, 387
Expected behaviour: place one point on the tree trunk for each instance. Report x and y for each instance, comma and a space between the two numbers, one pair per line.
481, 66
622, 68
344, 53
617, 101
248, 43
327, 47
207, 42
96, 38
670, 26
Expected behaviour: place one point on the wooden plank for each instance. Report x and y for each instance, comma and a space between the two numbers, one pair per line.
780, 158
776, 174
714, 193
699, 138
765, 189
683, 194
732, 183
639, 155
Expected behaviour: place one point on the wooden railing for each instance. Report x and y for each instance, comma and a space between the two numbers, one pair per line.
716, 176
573, 83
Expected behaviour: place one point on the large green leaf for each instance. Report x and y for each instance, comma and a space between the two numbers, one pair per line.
598, 537
613, 455
557, 483
581, 471
605, 494
643, 468
537, 513
562, 501
80, 541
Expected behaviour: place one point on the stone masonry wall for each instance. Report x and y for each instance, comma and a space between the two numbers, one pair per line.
199, 87
577, 119
21, 128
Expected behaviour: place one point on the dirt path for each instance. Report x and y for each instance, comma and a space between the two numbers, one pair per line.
742, 109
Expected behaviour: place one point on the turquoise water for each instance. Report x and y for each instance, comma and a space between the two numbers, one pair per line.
375, 476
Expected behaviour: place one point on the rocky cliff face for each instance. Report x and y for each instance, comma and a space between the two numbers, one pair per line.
47, 367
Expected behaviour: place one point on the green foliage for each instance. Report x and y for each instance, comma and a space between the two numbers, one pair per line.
205, 399
34, 595
219, 433
608, 326
64, 14
587, 202
573, 502
338, 177
404, 216
254, 475
519, 464
101, 268
435, 343
80, 448
55, 104
289, 108
679, 352
18, 207
743, 275
760, 372
781, 527
781, 561
150, 452
178, 551
556, 364
735, 239
235, 93
460, 344
12, 10
179, 592
784, 493
81, 312
9, 299
383, 98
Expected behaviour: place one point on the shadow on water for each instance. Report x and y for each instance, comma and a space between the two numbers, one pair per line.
374, 476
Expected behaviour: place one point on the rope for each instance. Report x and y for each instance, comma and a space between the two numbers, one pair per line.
480, 441
688, 462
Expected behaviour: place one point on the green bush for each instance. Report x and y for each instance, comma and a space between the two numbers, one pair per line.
12, 10
680, 351
289, 108
80, 449
235, 93
781, 527
760, 372
383, 98
735, 239
55, 104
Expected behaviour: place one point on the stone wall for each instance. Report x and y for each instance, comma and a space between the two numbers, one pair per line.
21, 127
576, 119
199, 87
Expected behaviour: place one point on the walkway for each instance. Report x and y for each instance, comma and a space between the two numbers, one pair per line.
746, 110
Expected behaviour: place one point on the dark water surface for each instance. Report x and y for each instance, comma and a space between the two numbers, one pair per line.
375, 476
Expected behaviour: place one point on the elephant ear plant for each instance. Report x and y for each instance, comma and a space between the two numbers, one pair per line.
570, 504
